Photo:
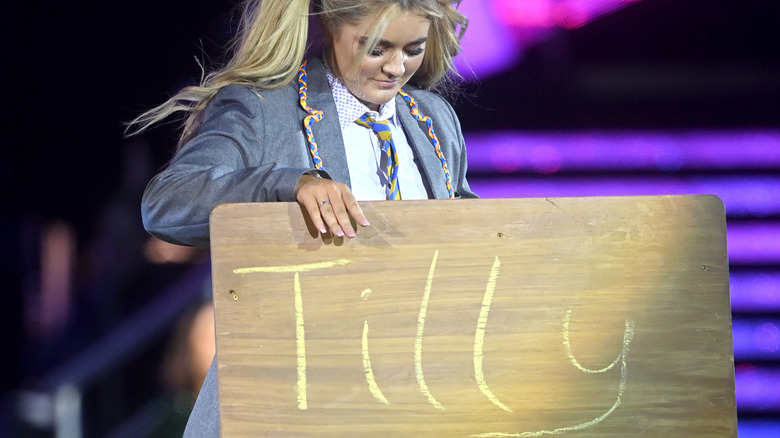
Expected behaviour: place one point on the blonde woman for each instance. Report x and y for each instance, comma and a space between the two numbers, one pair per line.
322, 118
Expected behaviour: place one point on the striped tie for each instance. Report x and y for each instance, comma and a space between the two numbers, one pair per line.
382, 129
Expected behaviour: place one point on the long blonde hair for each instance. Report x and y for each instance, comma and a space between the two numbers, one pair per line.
273, 39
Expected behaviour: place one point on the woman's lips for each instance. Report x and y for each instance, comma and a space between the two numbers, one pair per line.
386, 83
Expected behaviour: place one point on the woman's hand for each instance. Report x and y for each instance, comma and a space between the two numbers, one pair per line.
329, 204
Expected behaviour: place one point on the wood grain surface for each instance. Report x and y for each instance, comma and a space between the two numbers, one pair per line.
584, 317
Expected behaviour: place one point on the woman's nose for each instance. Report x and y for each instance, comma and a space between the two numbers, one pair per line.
394, 67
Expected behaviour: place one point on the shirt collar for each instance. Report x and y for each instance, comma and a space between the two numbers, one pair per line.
350, 108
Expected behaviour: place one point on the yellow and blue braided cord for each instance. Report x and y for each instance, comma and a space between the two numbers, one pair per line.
314, 116
415, 111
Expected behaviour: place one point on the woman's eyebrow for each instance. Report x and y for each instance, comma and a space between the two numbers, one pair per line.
418, 41
387, 43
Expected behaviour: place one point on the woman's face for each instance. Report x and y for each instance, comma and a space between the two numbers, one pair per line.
388, 66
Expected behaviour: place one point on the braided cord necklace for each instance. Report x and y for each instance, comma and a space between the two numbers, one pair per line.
316, 115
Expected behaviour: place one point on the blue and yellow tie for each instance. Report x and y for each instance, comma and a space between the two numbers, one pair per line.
382, 129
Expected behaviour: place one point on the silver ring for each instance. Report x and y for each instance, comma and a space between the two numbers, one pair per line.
327, 201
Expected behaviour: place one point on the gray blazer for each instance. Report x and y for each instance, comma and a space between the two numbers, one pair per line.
251, 147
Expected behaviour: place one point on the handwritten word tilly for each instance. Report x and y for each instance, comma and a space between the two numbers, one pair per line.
478, 353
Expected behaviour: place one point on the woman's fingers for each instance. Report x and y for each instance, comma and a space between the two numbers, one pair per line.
313, 208
329, 205
352, 206
333, 213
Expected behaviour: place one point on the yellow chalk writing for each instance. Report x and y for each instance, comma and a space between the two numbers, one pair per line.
293, 268
372, 385
570, 355
300, 332
419, 338
300, 343
479, 337
628, 335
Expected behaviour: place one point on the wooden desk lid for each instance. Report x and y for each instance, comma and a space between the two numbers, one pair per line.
604, 316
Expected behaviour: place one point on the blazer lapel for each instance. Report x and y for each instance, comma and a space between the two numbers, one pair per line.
417, 135
327, 132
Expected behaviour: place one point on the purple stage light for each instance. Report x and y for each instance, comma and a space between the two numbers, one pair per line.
567, 14
758, 427
526, 157
755, 291
743, 196
488, 45
756, 388
754, 243
594, 150
499, 30
756, 339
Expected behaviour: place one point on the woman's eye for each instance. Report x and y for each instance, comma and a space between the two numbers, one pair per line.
378, 51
